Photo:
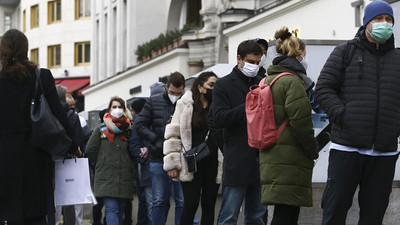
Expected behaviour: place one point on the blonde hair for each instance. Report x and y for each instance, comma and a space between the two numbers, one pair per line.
287, 44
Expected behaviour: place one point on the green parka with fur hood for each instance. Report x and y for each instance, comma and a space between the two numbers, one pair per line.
286, 168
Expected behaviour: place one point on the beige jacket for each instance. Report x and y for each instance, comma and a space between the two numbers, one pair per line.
178, 133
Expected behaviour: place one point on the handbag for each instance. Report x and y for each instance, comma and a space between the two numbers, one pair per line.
196, 154
47, 132
72, 182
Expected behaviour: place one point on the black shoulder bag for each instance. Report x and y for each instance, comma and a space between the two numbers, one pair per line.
196, 154
47, 132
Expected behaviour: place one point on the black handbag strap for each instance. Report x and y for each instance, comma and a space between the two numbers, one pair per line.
38, 84
206, 138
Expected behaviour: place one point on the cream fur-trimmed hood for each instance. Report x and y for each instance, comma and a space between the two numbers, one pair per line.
178, 133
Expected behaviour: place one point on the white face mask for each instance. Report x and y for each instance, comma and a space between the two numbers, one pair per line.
173, 98
304, 62
263, 61
117, 113
250, 70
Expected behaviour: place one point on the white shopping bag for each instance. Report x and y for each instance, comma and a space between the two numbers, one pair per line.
72, 182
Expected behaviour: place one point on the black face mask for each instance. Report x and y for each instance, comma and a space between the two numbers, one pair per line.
208, 94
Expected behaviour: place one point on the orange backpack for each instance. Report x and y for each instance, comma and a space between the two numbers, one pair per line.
261, 127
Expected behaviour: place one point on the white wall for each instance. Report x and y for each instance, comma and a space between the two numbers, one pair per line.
145, 75
316, 19
66, 33
123, 25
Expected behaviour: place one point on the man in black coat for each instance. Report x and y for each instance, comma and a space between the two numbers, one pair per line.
359, 89
69, 212
150, 125
241, 177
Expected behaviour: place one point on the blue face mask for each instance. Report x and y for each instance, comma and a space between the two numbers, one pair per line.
381, 31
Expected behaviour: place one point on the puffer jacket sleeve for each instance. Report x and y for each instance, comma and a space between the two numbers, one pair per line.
328, 85
173, 144
144, 122
298, 109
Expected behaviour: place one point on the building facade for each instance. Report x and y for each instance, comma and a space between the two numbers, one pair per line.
59, 34
9, 15
215, 28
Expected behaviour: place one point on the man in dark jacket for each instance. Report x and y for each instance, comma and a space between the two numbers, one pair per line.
241, 176
138, 152
72, 216
359, 89
150, 125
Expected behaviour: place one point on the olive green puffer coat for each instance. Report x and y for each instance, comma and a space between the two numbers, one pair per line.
286, 168
113, 167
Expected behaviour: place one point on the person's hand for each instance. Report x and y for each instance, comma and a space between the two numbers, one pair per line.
144, 152
174, 173
79, 152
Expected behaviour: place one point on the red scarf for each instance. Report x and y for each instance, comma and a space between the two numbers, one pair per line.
122, 123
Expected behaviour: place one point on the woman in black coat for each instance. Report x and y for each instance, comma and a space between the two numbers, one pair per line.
24, 170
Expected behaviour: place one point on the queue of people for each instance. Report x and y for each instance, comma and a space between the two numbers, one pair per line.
358, 89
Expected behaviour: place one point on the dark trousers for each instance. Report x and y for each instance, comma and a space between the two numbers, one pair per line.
202, 185
128, 213
97, 212
285, 215
69, 215
31, 221
346, 171
142, 214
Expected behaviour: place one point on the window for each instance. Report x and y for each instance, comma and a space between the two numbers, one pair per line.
7, 21
82, 9
82, 53
35, 55
54, 56
34, 16
24, 21
54, 11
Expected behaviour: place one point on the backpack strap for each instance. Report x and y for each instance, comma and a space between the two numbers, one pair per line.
285, 122
279, 76
283, 125
349, 52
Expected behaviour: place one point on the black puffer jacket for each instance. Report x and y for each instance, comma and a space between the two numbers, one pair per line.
152, 121
362, 99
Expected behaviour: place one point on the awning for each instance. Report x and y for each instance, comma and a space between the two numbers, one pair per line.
74, 84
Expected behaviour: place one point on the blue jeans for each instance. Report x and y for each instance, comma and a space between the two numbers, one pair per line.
114, 209
232, 199
162, 187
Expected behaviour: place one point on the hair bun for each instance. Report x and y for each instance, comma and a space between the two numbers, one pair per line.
286, 35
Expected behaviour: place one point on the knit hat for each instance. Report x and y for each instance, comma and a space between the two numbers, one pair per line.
376, 8
262, 42
138, 104
156, 88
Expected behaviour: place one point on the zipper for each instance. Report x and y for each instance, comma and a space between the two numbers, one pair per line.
377, 97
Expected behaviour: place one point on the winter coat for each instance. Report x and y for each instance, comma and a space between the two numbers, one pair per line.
241, 166
113, 166
286, 168
362, 99
75, 124
24, 170
151, 123
135, 143
178, 133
